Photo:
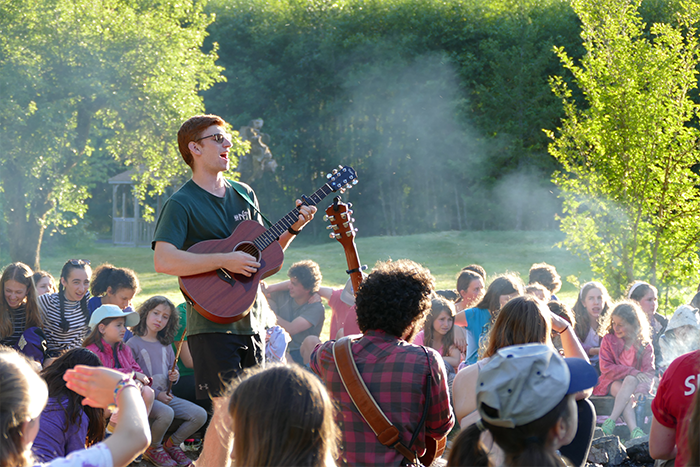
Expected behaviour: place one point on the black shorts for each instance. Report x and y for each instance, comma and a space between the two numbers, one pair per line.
218, 358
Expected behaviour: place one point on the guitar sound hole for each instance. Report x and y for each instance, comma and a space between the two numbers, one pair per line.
250, 248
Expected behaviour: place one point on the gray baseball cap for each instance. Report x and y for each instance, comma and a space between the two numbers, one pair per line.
524, 382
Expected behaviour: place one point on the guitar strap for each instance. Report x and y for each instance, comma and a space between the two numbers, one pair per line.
239, 189
386, 432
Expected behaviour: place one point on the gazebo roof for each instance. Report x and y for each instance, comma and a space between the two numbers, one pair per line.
123, 178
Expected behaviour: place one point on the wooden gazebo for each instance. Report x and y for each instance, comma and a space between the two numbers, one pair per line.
128, 226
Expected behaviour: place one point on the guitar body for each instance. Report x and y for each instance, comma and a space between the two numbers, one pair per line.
224, 297
225, 302
434, 448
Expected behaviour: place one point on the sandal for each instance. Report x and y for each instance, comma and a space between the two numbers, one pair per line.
608, 426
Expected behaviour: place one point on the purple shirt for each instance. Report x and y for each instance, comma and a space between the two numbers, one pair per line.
53, 440
395, 373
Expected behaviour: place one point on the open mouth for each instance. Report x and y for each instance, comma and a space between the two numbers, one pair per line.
224, 155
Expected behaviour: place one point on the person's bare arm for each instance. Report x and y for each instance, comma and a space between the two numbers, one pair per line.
662, 441
571, 345
306, 213
296, 326
170, 260
218, 439
325, 292
186, 356
278, 287
460, 338
132, 434
461, 319
464, 391
453, 358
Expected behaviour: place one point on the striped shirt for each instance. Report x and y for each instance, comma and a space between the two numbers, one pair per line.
58, 340
19, 322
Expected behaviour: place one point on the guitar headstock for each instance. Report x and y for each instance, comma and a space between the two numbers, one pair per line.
342, 178
339, 215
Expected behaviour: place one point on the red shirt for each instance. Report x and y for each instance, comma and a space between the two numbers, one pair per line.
339, 311
675, 398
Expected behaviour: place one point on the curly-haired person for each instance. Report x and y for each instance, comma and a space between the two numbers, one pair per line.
392, 303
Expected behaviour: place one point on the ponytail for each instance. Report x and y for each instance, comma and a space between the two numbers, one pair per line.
468, 450
107, 276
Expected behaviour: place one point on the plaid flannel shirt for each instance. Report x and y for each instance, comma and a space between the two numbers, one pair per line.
395, 373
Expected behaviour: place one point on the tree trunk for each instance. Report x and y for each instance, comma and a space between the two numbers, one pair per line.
25, 228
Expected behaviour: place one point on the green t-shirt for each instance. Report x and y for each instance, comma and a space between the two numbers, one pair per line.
192, 215
182, 311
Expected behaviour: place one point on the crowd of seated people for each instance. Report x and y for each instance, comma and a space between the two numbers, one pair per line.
88, 379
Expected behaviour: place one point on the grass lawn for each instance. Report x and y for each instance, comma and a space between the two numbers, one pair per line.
444, 253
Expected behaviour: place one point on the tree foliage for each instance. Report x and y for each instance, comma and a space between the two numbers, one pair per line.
630, 192
437, 104
82, 78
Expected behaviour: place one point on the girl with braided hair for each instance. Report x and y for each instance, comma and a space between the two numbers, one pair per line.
66, 312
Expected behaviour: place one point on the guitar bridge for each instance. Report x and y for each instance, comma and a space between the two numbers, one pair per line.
226, 277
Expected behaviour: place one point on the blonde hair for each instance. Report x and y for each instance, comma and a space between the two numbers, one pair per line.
631, 312
24, 395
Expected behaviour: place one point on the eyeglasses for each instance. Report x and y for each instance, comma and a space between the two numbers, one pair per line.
217, 137
79, 262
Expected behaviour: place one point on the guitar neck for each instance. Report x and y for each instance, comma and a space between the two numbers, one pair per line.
278, 228
353, 260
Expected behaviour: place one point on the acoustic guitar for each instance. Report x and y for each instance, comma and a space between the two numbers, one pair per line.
339, 215
224, 297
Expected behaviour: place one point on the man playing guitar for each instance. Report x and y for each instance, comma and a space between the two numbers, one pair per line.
209, 207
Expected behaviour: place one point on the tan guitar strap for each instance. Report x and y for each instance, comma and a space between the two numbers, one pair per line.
386, 432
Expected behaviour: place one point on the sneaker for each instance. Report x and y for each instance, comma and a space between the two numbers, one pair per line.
637, 433
159, 457
608, 426
177, 454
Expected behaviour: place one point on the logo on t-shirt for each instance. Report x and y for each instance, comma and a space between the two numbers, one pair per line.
243, 216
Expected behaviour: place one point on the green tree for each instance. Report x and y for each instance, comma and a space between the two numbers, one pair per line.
80, 77
630, 195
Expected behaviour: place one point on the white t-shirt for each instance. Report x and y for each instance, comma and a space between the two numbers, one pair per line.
98, 455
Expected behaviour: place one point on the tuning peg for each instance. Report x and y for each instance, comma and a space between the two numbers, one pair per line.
348, 186
340, 166
328, 176
345, 224
345, 181
349, 233
343, 215
332, 236
352, 220
350, 211
349, 206
342, 190
331, 227
335, 171
354, 182
327, 218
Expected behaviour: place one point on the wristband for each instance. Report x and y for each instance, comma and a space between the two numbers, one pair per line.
292, 231
125, 382
559, 333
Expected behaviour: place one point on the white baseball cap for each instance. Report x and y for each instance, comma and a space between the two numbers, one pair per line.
113, 311
685, 315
